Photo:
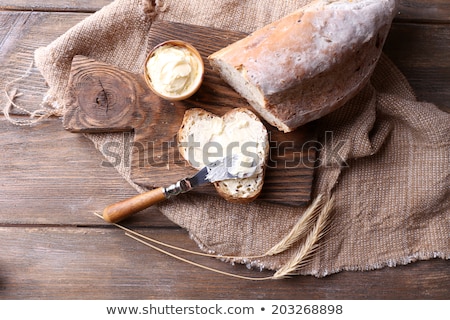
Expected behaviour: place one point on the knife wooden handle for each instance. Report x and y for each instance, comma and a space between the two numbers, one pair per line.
123, 209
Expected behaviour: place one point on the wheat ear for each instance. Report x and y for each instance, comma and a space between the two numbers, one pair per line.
305, 251
300, 229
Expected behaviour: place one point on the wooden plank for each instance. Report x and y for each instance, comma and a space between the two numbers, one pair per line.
421, 52
436, 11
51, 176
102, 263
54, 5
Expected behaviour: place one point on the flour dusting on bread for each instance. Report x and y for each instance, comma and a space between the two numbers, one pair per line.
309, 63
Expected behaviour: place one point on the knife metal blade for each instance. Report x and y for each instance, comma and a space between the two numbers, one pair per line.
212, 172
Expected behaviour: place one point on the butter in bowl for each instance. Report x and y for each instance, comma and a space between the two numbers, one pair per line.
174, 70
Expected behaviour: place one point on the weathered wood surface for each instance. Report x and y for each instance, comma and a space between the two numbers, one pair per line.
102, 263
435, 11
53, 177
422, 53
51, 181
55, 5
155, 159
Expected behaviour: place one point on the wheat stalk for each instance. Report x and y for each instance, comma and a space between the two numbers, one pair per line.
300, 229
310, 244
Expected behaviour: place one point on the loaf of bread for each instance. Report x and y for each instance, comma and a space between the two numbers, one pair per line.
205, 137
308, 63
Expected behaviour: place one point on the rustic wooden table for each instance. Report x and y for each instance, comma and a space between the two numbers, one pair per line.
53, 247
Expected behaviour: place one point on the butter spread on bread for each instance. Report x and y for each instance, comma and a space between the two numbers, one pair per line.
308, 63
239, 134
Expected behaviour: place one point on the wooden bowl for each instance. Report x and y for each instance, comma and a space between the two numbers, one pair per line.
193, 85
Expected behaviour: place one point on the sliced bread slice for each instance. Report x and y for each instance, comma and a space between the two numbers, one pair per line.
205, 137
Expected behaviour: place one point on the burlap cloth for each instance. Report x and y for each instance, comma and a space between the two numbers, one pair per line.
387, 162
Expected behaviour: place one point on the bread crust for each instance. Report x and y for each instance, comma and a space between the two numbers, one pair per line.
310, 62
254, 183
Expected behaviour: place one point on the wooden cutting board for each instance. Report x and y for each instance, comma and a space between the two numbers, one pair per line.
103, 98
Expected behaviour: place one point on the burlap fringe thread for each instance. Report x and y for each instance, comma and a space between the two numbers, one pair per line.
307, 232
45, 111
